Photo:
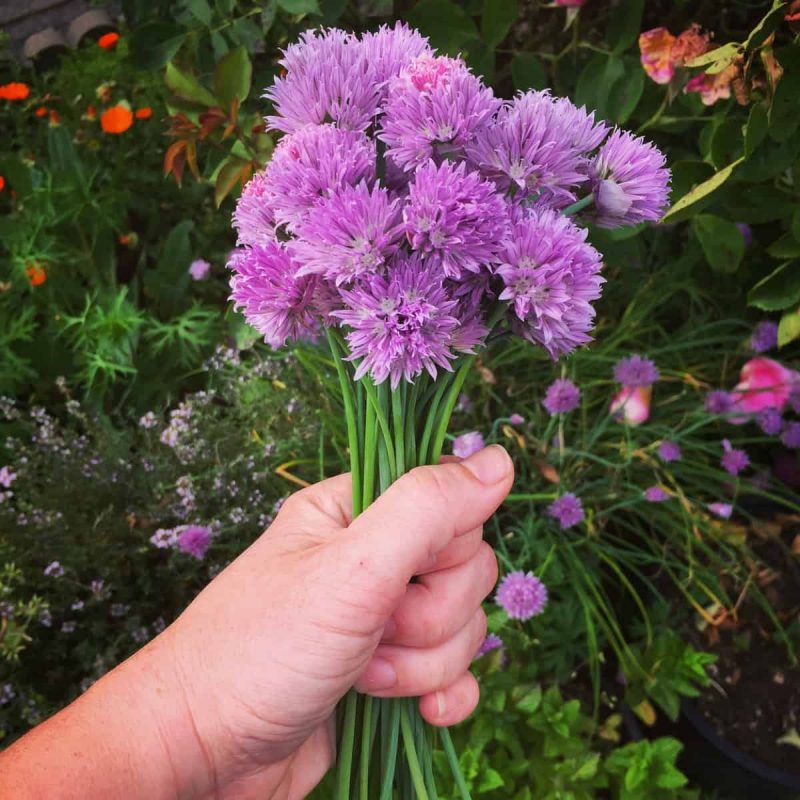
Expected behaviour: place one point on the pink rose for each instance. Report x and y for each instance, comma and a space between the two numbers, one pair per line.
763, 383
632, 405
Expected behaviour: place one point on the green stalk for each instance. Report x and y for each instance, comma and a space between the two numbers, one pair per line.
399, 437
411, 424
452, 759
391, 751
449, 405
429, 423
411, 752
370, 453
346, 750
382, 413
578, 206
366, 749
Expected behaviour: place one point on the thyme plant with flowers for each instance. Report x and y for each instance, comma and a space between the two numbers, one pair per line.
409, 217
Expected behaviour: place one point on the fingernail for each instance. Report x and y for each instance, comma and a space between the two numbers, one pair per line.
489, 465
389, 629
378, 675
441, 704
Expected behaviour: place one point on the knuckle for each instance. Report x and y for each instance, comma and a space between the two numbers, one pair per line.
433, 629
488, 566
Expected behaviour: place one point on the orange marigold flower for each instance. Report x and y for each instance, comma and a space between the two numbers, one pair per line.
41, 111
116, 119
14, 91
36, 273
108, 41
144, 113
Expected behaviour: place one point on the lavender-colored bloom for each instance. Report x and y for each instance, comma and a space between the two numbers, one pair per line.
561, 397
491, 642
119, 609
791, 435
199, 269
148, 420
467, 444
327, 78
46, 619
68, 626
536, 145
669, 451
719, 402
400, 323
349, 234
455, 219
629, 181
312, 164
655, 494
7, 477
733, 460
194, 540
516, 419
765, 336
54, 570
747, 233
164, 538
77, 605
723, 510
568, 510
635, 371
98, 587
389, 50
434, 108
265, 287
551, 275
770, 420
254, 216
521, 595
7, 694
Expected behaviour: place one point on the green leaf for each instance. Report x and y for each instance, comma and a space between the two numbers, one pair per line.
230, 172
796, 225
789, 328
490, 779
527, 72
766, 26
531, 701
625, 24
779, 290
18, 175
758, 203
155, 43
596, 82
268, 14
331, 10
61, 151
300, 6
699, 192
784, 247
626, 93
783, 115
185, 85
167, 282
723, 245
233, 76
200, 10
447, 24
498, 17
726, 52
756, 128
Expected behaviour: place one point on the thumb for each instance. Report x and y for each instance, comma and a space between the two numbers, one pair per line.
421, 512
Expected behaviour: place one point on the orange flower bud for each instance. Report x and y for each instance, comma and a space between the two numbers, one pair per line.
116, 119
144, 113
36, 273
14, 91
108, 41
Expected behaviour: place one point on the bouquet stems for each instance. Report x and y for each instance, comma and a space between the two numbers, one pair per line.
386, 748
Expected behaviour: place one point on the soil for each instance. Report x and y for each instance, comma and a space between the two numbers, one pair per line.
754, 699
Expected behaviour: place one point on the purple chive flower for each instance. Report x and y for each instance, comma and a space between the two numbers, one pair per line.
562, 396
400, 323
194, 541
551, 276
7, 477
54, 570
433, 109
467, 444
254, 217
733, 460
722, 510
349, 234
536, 145
199, 269
791, 435
521, 595
516, 419
765, 336
655, 494
568, 510
629, 181
719, 402
313, 163
389, 50
455, 219
635, 371
491, 642
266, 289
669, 451
770, 421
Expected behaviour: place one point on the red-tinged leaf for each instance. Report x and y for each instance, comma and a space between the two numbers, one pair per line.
210, 120
228, 176
229, 129
191, 158
175, 160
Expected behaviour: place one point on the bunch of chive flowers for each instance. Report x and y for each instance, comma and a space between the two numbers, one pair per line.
411, 209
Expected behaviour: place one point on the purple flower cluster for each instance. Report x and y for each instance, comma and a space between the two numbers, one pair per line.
635, 371
765, 336
669, 451
405, 200
521, 595
733, 460
561, 397
568, 510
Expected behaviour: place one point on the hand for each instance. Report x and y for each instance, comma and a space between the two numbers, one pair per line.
242, 688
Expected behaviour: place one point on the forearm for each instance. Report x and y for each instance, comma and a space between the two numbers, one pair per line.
120, 739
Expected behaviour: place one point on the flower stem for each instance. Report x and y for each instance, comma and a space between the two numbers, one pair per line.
346, 750
578, 206
411, 753
452, 759
366, 749
391, 751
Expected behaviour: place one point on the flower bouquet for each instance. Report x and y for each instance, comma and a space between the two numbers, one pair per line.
409, 216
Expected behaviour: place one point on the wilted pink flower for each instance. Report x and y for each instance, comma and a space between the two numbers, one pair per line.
632, 405
763, 383
199, 269
712, 87
467, 444
723, 510
662, 52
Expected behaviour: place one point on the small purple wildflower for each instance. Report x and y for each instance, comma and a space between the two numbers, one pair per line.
561, 397
7, 477
719, 402
791, 435
77, 605
467, 444
54, 570
68, 626
491, 642
521, 595
669, 451
199, 269
765, 336
7, 694
747, 233
164, 538
119, 609
516, 419
636, 371
567, 509
722, 510
733, 460
655, 494
194, 540
148, 421
770, 421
